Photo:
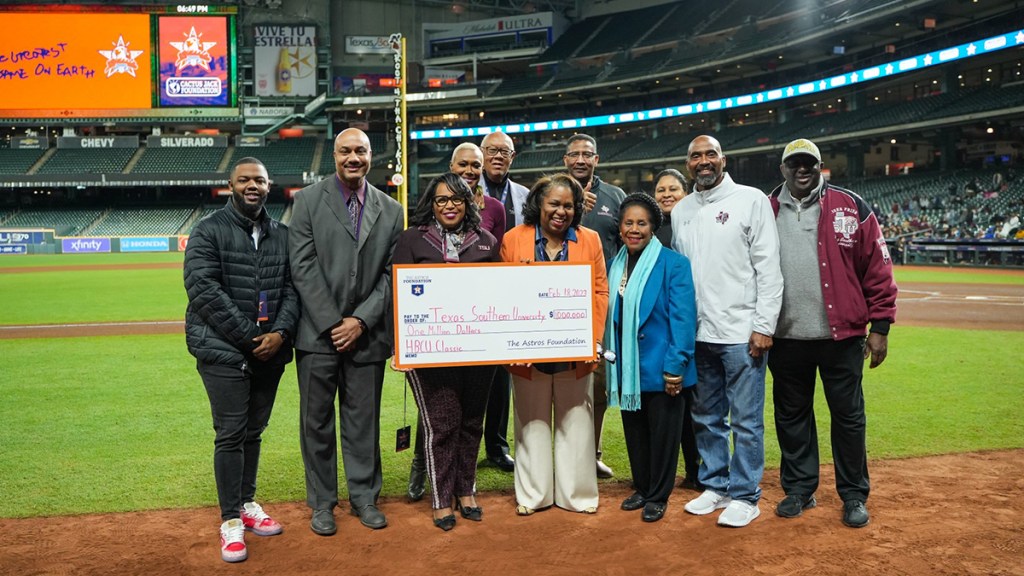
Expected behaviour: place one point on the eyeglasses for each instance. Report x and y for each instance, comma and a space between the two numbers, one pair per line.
441, 201
587, 154
503, 152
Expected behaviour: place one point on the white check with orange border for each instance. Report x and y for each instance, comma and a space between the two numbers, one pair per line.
470, 314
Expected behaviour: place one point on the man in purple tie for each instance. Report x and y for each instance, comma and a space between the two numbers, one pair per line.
342, 233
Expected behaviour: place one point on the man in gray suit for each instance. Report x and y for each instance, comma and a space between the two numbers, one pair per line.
341, 236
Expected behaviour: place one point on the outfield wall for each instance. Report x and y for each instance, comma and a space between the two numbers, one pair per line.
37, 241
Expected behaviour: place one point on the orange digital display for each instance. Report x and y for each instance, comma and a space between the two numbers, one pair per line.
56, 64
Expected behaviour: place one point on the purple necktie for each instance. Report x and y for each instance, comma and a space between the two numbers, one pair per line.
353, 211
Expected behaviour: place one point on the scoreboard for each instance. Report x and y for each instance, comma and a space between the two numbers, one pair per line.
68, 61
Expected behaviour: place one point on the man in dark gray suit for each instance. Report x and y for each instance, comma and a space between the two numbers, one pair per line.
341, 236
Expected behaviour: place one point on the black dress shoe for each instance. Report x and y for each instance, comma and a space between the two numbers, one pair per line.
855, 514
503, 462
446, 523
474, 513
653, 511
793, 505
604, 471
370, 516
323, 522
634, 502
417, 480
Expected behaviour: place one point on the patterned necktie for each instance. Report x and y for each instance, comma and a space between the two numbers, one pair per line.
353, 209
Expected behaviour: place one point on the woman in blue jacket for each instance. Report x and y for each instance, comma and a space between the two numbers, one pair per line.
651, 328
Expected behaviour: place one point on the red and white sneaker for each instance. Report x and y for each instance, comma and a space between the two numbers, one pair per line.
232, 541
257, 521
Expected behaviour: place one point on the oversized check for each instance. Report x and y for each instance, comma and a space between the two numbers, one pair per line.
449, 315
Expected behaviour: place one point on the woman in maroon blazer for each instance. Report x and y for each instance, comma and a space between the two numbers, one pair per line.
445, 229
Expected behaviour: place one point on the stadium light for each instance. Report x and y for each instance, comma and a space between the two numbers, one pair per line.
965, 51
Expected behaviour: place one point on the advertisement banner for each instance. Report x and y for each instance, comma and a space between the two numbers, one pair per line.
250, 140
182, 243
158, 244
20, 237
285, 60
218, 141
29, 143
14, 249
194, 60
58, 62
367, 45
97, 142
84, 245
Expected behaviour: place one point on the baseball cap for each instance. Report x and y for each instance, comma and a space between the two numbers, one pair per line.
801, 146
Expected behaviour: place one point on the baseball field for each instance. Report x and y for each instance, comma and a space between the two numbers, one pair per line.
106, 453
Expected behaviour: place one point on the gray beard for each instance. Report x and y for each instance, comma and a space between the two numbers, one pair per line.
706, 181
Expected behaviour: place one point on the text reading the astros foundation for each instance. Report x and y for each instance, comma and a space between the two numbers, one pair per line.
492, 314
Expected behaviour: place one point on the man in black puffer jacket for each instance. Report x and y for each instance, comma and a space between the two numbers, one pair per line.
241, 315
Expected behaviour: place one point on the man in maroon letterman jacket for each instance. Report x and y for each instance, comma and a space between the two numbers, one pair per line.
838, 281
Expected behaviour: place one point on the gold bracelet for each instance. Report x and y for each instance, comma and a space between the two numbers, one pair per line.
673, 379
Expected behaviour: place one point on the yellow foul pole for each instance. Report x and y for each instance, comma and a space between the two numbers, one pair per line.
401, 176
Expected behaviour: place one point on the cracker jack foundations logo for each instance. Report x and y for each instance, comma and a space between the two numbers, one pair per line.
121, 60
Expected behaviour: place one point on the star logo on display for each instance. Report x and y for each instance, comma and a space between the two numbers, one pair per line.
700, 107
888, 69
1019, 37
728, 103
121, 60
822, 85
855, 77
760, 97
301, 64
928, 60
193, 51
971, 49
789, 91
417, 289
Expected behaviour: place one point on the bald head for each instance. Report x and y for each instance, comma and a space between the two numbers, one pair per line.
705, 162
499, 152
352, 157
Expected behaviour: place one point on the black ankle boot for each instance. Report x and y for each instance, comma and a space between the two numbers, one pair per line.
417, 480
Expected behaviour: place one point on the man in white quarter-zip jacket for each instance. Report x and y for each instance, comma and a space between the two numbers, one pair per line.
728, 232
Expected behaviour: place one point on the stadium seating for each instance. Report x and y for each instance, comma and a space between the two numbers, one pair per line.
18, 161
179, 160
88, 161
140, 222
63, 222
285, 156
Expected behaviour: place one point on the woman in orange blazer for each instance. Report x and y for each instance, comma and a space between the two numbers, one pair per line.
551, 232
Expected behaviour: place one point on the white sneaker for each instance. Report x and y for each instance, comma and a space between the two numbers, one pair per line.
738, 514
707, 503
232, 541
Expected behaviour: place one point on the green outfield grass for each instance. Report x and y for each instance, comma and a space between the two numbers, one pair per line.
37, 260
958, 275
122, 423
108, 424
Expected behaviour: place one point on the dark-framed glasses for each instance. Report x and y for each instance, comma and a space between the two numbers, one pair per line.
441, 201
503, 152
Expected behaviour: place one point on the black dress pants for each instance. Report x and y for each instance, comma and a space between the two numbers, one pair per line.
793, 364
652, 439
241, 399
496, 417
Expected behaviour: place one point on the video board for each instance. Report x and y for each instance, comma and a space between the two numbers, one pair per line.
72, 61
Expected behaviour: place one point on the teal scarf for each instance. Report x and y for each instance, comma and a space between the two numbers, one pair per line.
624, 391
